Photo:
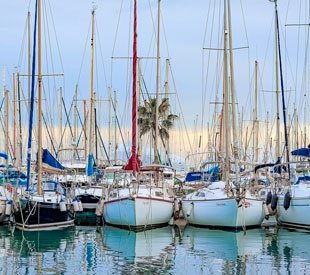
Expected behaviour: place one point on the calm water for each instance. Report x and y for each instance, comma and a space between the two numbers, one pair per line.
109, 250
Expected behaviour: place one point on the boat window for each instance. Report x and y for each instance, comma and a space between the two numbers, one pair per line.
49, 186
201, 195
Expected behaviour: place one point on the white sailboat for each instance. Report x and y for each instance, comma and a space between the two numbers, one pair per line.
228, 203
144, 199
45, 207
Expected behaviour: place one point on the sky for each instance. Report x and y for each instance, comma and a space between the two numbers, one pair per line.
187, 27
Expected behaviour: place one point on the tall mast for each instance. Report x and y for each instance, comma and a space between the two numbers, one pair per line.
75, 119
14, 119
226, 108
60, 117
278, 156
115, 128
91, 86
109, 122
20, 138
233, 97
39, 160
6, 115
29, 59
134, 92
255, 115
156, 160
167, 98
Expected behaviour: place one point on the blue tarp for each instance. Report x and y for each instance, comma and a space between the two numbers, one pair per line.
90, 165
277, 169
303, 178
48, 159
197, 176
302, 152
3, 155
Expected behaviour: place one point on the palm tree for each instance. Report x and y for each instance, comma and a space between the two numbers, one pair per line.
147, 116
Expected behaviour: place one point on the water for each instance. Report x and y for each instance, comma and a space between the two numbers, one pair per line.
109, 250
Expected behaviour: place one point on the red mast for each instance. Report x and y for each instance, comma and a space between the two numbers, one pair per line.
134, 93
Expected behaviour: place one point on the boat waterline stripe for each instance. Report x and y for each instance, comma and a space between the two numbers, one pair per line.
138, 197
37, 226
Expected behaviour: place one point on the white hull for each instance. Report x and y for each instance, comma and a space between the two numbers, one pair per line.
138, 212
297, 215
225, 213
42, 227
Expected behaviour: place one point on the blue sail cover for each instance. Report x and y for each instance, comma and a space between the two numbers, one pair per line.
210, 175
3, 155
302, 152
50, 164
90, 165
277, 169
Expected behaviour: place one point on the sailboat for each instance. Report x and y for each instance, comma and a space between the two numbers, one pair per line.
90, 196
44, 207
226, 203
143, 199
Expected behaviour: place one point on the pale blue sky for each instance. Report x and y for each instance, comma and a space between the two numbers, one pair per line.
184, 24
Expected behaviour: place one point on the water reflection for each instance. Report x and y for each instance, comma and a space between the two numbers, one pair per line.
109, 250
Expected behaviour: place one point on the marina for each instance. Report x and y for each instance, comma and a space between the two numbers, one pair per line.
110, 174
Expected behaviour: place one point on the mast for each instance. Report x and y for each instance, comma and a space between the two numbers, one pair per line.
29, 59
282, 93
255, 115
75, 119
134, 92
156, 160
60, 117
39, 160
14, 119
278, 156
85, 128
20, 138
167, 98
109, 122
233, 96
91, 86
31, 105
225, 107
115, 129
6, 115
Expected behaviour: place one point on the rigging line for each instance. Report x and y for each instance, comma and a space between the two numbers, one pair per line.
102, 59
83, 127
105, 151
68, 120
114, 43
63, 133
23, 45
153, 21
46, 35
119, 128
182, 115
48, 132
56, 38
204, 87
165, 147
85, 46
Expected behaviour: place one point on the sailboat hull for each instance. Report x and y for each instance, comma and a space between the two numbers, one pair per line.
138, 213
297, 215
224, 213
42, 216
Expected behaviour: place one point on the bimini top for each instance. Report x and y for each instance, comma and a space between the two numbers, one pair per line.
302, 152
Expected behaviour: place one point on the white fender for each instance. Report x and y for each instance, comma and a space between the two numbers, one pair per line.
75, 204
80, 205
62, 206
8, 208
190, 209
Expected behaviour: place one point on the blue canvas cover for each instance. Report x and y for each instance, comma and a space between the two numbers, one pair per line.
197, 176
50, 164
302, 152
